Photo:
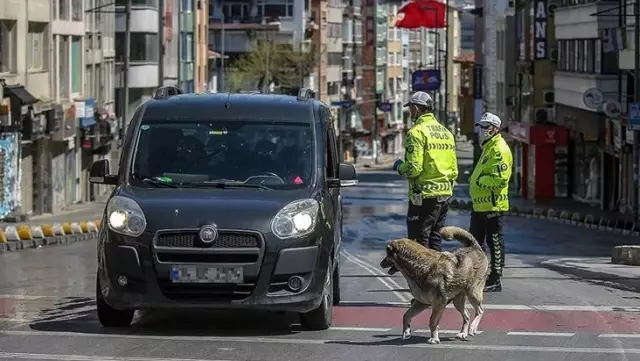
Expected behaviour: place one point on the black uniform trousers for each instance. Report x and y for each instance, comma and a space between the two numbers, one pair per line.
487, 228
424, 221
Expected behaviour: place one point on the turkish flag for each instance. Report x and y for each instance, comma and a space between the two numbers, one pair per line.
430, 14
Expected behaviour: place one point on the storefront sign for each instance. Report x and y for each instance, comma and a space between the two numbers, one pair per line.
540, 30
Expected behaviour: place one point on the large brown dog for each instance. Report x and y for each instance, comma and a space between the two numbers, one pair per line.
437, 278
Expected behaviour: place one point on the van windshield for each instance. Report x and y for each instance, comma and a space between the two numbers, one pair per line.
266, 154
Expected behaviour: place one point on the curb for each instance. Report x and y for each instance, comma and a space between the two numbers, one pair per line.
19, 237
586, 220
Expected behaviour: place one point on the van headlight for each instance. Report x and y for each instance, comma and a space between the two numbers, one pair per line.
125, 216
296, 219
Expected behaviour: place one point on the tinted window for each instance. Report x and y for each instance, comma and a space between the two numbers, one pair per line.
278, 155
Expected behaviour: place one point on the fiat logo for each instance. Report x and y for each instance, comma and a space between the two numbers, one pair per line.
208, 233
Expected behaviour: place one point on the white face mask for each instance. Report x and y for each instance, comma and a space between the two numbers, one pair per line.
485, 134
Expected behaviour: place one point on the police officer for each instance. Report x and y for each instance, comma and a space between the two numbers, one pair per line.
431, 167
489, 191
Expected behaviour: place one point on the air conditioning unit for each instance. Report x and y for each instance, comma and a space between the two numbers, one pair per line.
548, 97
544, 115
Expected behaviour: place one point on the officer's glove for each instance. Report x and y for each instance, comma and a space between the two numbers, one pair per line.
397, 164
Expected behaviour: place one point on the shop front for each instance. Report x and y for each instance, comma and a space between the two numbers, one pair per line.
611, 152
540, 160
585, 154
624, 138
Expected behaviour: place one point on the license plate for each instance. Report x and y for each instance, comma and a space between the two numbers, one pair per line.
191, 274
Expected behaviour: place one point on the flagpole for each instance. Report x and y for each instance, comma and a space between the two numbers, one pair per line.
446, 64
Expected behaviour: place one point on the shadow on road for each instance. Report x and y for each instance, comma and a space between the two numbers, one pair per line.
170, 322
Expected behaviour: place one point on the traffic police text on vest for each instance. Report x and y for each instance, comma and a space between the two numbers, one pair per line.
430, 162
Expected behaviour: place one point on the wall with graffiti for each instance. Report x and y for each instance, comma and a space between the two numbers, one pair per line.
9, 174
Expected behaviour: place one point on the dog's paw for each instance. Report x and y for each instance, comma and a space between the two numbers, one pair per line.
433, 341
406, 334
462, 336
473, 331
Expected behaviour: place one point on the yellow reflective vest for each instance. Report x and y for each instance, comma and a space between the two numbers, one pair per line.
430, 162
489, 182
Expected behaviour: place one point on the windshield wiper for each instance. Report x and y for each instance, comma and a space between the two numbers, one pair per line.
225, 184
154, 181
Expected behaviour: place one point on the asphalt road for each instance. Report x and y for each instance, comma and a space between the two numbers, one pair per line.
544, 313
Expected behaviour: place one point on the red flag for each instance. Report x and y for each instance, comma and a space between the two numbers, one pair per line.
430, 14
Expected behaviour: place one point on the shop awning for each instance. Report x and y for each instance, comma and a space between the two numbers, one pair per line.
20, 93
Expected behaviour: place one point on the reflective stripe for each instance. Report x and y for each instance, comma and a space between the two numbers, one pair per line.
488, 199
440, 146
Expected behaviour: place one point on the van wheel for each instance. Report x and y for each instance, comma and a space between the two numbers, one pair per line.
320, 318
336, 283
109, 316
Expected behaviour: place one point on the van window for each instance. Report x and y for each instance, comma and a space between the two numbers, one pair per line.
235, 150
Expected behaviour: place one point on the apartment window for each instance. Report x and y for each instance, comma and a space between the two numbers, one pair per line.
275, 8
76, 65
608, 61
76, 10
35, 46
347, 31
357, 30
144, 46
334, 59
336, 4
187, 6
236, 11
390, 59
63, 10
187, 47
347, 64
63, 67
334, 30
8, 46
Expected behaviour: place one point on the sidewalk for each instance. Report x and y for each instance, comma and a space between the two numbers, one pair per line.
75, 213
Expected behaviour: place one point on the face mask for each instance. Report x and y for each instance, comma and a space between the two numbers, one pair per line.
485, 134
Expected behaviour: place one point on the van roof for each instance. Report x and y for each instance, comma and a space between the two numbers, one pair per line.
213, 106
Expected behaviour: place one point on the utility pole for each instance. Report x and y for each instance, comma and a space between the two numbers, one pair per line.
636, 98
222, 73
161, 50
127, 55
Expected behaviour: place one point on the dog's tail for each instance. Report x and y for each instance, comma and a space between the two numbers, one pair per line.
466, 238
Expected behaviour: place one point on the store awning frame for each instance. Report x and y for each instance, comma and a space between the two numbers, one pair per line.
20, 93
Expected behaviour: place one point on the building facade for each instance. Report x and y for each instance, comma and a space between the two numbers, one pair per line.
201, 41
157, 51
187, 45
584, 63
622, 136
234, 26
57, 101
98, 129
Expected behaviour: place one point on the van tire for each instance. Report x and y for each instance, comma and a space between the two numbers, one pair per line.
320, 318
109, 316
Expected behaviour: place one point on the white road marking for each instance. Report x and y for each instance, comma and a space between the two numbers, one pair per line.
620, 335
389, 283
441, 331
26, 297
515, 307
329, 342
40, 356
361, 329
544, 334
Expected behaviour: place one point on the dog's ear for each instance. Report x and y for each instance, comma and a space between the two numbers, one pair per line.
390, 249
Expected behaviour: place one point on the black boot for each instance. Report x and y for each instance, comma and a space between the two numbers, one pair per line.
493, 284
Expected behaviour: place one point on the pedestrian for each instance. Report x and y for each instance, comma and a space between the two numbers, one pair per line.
489, 191
431, 167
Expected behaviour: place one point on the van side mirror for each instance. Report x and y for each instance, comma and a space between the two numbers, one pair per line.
347, 174
100, 173
347, 177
